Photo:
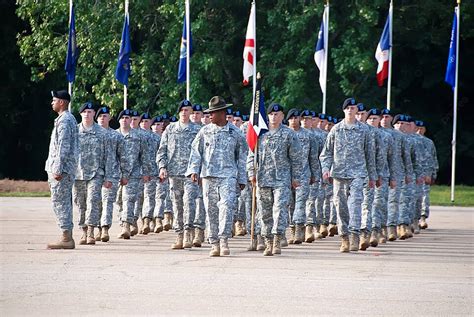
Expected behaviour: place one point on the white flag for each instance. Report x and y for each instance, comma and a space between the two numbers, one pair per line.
249, 48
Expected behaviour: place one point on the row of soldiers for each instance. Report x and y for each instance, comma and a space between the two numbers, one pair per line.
358, 177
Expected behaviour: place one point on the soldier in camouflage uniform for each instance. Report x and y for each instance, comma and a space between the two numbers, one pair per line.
433, 167
61, 167
135, 168
94, 169
109, 195
173, 159
218, 157
348, 158
279, 168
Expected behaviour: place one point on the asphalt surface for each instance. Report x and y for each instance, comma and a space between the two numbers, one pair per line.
431, 274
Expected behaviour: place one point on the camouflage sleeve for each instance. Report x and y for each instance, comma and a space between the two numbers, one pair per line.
250, 164
65, 137
406, 156
241, 156
295, 153
124, 159
379, 159
144, 156
417, 160
327, 154
434, 159
314, 165
108, 157
195, 157
162, 158
369, 149
391, 160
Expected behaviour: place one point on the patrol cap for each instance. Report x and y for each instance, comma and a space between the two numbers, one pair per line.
125, 112
374, 112
361, 107
322, 116
102, 110
419, 123
399, 118
157, 119
173, 119
274, 108
134, 113
184, 103
197, 108
386, 112
145, 115
306, 113
86, 106
238, 114
61, 94
348, 102
292, 113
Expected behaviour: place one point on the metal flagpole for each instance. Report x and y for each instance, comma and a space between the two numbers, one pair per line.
255, 104
455, 111
188, 46
125, 91
69, 87
326, 53
254, 8
389, 84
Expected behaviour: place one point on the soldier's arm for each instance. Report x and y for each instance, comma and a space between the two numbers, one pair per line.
162, 158
195, 157
380, 162
124, 159
391, 159
327, 155
65, 138
434, 158
295, 153
406, 156
369, 149
108, 157
241, 153
250, 164
314, 164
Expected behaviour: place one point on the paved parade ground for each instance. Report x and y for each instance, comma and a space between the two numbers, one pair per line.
431, 274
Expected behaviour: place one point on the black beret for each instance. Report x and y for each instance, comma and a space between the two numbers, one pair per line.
274, 108
329, 118
197, 107
125, 112
361, 107
157, 119
102, 110
134, 113
410, 118
61, 94
335, 120
184, 103
87, 105
165, 117
348, 102
229, 112
146, 115
292, 113
306, 113
238, 114
322, 116
173, 119
374, 112
399, 117
386, 111
419, 123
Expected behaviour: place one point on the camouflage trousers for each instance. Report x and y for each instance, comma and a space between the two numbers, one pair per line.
138, 208
127, 196
348, 201
367, 204
298, 199
87, 198
273, 204
149, 198
106, 209
61, 199
183, 198
407, 195
310, 207
200, 217
425, 201
162, 198
394, 204
418, 202
324, 190
380, 206
245, 203
328, 209
239, 214
248, 193
219, 195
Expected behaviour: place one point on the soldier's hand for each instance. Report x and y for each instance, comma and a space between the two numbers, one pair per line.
194, 178
428, 180
371, 184
146, 179
393, 184
407, 180
123, 181
57, 177
326, 176
378, 182
242, 186
253, 180
107, 184
295, 184
163, 174
419, 180
312, 180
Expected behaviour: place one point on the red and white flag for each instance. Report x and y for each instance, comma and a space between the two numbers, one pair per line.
258, 122
383, 51
249, 48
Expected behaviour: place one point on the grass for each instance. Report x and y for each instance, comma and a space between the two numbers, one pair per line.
463, 196
24, 194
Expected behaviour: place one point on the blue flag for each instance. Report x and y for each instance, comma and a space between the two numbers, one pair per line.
450, 77
123, 64
72, 53
182, 52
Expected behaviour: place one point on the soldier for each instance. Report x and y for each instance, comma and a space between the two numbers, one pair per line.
238, 119
206, 119
433, 167
61, 167
229, 114
109, 195
173, 159
218, 157
197, 114
94, 169
348, 158
279, 169
311, 174
134, 168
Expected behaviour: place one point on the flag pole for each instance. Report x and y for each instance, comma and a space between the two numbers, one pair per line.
389, 83
455, 111
256, 105
188, 47
326, 53
69, 86
125, 90
254, 76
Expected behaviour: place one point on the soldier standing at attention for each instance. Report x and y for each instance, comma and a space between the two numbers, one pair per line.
348, 158
218, 157
61, 167
173, 159
279, 168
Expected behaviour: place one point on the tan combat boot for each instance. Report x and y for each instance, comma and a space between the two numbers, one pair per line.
179, 242
215, 250
125, 233
403, 232
364, 241
268, 247
83, 239
253, 244
423, 223
98, 234
291, 239
104, 235
198, 238
383, 235
65, 242
410, 229
158, 225
392, 233
224, 247
308, 235
299, 234
323, 230
283, 241
134, 228
374, 238
260, 243
416, 227
188, 239
332, 229
345, 244
316, 234
239, 228
276, 244
146, 226
167, 221
90, 235
354, 242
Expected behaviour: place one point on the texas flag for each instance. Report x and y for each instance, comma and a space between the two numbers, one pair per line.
320, 50
249, 48
382, 53
258, 122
